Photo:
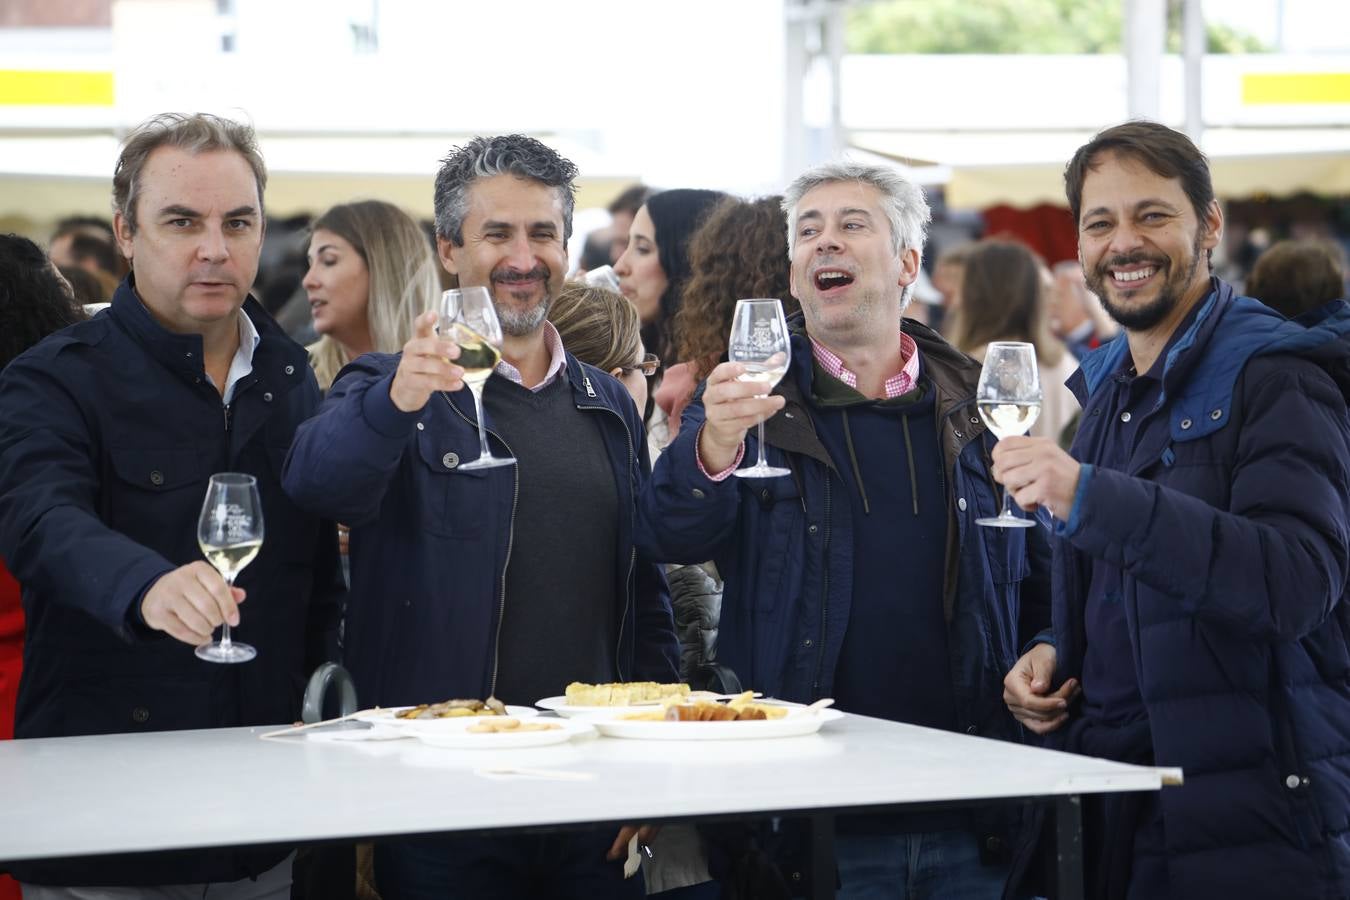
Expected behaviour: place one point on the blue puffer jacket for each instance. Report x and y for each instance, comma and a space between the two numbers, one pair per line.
424, 532
1232, 527
784, 548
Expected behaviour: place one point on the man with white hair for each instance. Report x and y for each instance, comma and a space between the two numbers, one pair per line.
863, 575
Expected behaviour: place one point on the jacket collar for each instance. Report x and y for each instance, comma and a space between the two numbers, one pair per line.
183, 352
1201, 369
953, 374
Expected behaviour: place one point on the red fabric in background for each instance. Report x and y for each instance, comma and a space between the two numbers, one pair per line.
11, 661
1049, 230
11, 650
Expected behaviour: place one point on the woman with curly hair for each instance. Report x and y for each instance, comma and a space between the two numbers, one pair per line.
740, 251
34, 301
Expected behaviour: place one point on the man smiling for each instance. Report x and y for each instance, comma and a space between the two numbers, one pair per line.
511, 581
862, 576
1202, 553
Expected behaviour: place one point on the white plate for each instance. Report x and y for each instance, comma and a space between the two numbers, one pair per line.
795, 723
560, 706
460, 738
389, 717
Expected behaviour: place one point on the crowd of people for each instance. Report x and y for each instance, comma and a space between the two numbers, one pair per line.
1179, 603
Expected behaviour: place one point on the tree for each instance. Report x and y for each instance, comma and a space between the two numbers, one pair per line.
1011, 26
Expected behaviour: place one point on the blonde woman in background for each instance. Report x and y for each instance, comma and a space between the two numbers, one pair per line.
1003, 298
371, 272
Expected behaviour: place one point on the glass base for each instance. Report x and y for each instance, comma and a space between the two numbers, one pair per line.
488, 462
220, 653
758, 471
1006, 521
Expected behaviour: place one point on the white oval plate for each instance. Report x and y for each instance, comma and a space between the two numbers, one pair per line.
460, 738
388, 717
795, 723
559, 706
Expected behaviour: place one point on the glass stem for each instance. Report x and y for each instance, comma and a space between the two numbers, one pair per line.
762, 461
477, 390
1007, 505
225, 642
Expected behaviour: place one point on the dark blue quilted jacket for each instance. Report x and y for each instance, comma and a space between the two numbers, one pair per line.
1232, 527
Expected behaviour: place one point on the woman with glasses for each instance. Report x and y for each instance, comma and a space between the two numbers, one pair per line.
601, 328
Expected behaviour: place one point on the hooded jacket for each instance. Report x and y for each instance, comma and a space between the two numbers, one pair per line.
784, 547
1232, 528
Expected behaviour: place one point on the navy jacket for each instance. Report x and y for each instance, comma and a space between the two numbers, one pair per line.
430, 543
784, 548
1232, 526
109, 432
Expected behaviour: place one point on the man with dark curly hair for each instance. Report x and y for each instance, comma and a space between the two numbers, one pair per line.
510, 581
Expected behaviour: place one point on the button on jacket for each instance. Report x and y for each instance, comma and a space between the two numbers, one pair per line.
109, 433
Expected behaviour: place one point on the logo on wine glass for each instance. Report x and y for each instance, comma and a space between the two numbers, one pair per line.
231, 522
762, 341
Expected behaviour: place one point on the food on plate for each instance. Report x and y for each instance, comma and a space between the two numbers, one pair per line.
623, 694
513, 726
740, 709
453, 709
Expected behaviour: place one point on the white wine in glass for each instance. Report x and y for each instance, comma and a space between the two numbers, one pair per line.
1008, 398
230, 533
470, 320
759, 342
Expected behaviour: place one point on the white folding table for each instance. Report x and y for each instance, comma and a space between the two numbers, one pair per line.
179, 790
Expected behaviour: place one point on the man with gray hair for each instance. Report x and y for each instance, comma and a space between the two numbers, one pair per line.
109, 433
862, 576
505, 582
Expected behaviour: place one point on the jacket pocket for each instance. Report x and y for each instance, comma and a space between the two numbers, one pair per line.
152, 489
453, 503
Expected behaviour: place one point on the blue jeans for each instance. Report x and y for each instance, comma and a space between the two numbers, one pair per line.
569, 865
940, 865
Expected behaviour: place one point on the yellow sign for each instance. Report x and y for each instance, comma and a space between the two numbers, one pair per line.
1287, 88
20, 87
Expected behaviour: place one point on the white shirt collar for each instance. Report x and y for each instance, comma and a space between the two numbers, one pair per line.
242, 364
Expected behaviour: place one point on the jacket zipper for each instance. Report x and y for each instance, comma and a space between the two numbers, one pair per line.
632, 555
510, 543
824, 593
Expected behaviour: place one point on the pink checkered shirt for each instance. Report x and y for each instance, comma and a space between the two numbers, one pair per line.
900, 383
557, 360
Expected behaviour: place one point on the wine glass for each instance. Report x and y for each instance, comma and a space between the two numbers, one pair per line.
1008, 398
230, 533
469, 319
603, 277
759, 342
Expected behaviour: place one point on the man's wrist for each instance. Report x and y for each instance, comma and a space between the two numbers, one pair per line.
714, 463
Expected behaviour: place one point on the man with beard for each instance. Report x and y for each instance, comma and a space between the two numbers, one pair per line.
506, 582
1203, 545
